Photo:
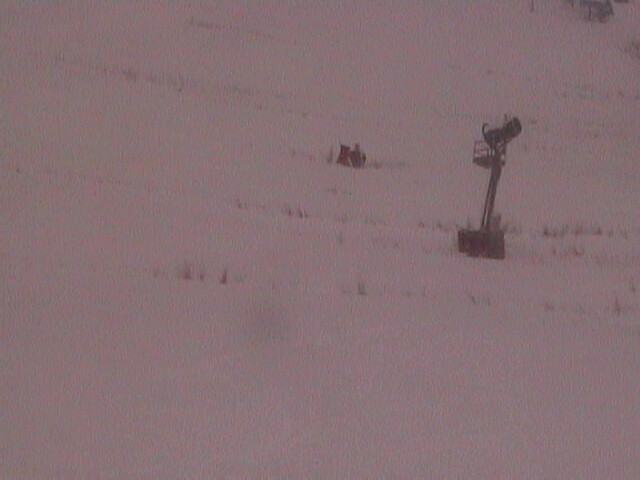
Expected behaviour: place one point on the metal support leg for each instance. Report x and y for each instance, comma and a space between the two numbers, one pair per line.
496, 171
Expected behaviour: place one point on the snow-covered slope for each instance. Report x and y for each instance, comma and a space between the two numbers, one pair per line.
191, 289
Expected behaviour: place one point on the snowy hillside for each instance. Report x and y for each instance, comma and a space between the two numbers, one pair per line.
192, 289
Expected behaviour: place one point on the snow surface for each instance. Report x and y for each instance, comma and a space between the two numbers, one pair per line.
191, 290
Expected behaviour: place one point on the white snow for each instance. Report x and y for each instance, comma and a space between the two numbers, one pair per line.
190, 290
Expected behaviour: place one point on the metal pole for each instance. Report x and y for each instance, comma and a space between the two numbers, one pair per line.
496, 171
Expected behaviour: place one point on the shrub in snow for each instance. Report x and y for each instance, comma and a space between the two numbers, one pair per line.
633, 48
568, 251
297, 212
242, 205
617, 307
329, 158
576, 230
187, 271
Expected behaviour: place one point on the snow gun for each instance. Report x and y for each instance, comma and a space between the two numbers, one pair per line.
490, 153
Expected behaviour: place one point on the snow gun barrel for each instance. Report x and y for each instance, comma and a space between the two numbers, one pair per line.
496, 137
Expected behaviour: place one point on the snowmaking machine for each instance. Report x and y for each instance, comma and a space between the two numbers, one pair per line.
490, 153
